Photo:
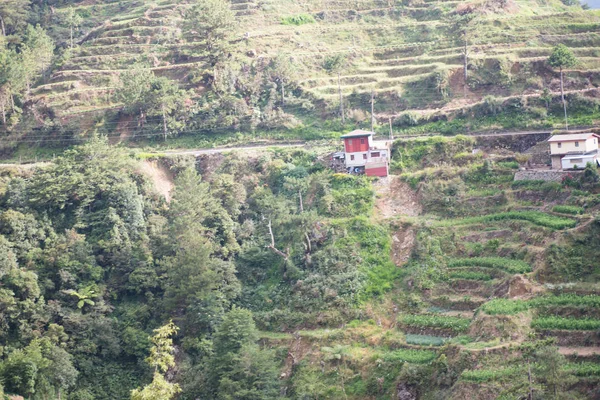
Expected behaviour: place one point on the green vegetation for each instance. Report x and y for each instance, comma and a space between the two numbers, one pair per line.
490, 375
298, 20
408, 355
509, 265
573, 210
571, 324
535, 217
584, 369
455, 324
470, 275
425, 340
508, 307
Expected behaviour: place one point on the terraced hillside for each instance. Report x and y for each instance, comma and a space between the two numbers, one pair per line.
410, 54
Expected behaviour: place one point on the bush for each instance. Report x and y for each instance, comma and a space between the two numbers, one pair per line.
507, 264
456, 324
571, 324
298, 20
573, 210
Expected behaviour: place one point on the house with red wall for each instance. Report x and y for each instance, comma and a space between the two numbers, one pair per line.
364, 155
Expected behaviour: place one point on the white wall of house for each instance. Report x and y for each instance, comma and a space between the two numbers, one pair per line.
581, 145
580, 162
357, 159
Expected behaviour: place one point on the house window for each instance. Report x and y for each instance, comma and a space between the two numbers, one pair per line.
577, 161
559, 145
364, 156
375, 154
350, 142
362, 141
352, 157
576, 144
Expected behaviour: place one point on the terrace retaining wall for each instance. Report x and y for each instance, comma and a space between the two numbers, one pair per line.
545, 175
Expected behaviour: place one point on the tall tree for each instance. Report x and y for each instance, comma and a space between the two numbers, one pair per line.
212, 23
72, 19
13, 14
161, 358
562, 57
283, 71
335, 65
36, 54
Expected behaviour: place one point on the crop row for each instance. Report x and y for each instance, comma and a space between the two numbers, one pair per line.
507, 307
573, 210
571, 324
535, 217
470, 275
456, 324
584, 369
425, 340
490, 375
408, 355
507, 264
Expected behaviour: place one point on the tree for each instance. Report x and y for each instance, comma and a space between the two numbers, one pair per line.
335, 65
212, 23
72, 19
36, 54
562, 57
549, 368
168, 99
161, 358
13, 14
282, 70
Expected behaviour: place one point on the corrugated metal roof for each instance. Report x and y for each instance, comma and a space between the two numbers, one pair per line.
571, 138
357, 133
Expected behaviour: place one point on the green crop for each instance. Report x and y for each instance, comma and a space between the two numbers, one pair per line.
425, 340
409, 355
507, 264
457, 324
584, 369
571, 324
535, 217
470, 275
508, 307
490, 375
505, 306
574, 210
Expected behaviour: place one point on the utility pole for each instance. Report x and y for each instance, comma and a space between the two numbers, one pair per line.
372, 110
341, 97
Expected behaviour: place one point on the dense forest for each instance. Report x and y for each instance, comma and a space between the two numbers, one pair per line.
129, 271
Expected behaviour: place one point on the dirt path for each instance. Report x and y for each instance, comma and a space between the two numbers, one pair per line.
580, 351
160, 177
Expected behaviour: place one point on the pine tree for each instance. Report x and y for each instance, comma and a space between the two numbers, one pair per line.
562, 57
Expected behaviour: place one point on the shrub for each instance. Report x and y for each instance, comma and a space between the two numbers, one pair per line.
573, 210
507, 264
571, 324
456, 324
298, 20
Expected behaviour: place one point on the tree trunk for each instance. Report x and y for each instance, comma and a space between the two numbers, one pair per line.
341, 98
164, 118
3, 114
2, 25
282, 93
562, 95
71, 37
301, 203
530, 396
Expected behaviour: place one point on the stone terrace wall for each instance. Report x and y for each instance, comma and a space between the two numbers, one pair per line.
544, 175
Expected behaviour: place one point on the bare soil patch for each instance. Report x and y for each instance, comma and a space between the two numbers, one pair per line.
395, 197
160, 176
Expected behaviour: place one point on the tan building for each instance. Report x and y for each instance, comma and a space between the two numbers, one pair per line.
574, 151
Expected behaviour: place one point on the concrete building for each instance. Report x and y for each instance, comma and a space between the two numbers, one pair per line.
574, 151
363, 155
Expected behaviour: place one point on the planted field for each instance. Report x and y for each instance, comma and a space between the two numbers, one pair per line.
407, 355
573, 210
535, 217
490, 375
425, 340
506, 264
571, 324
455, 324
508, 307
470, 275
584, 369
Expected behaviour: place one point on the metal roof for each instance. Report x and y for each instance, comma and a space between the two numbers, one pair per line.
357, 133
571, 138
